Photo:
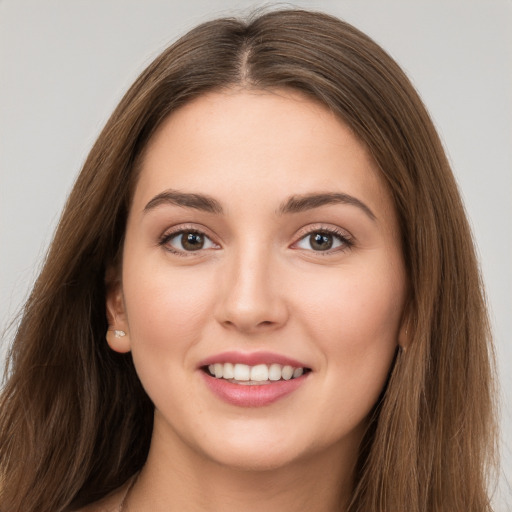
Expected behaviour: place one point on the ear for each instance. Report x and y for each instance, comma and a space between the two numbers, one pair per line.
118, 336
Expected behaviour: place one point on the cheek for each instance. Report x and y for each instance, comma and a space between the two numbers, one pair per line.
166, 309
368, 303
354, 316
166, 312
355, 324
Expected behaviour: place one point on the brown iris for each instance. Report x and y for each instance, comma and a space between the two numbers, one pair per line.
192, 241
320, 241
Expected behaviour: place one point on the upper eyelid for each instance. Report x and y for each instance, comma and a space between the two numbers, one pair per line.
299, 234
193, 228
335, 230
348, 241
174, 231
168, 235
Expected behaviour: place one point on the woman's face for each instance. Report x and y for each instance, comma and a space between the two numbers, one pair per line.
261, 237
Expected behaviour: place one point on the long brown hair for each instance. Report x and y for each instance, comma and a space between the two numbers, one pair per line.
75, 422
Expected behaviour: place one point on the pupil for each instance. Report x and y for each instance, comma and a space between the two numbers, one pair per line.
192, 241
321, 241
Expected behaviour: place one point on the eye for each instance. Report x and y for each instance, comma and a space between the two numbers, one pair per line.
323, 241
187, 241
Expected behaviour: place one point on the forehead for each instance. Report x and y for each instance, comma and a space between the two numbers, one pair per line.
229, 144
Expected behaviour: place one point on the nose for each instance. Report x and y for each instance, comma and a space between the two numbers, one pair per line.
252, 297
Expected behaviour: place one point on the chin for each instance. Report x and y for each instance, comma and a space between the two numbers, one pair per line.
258, 452
255, 461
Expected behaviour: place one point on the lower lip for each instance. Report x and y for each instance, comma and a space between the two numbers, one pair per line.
252, 395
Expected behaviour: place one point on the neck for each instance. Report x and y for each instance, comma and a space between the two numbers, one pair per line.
177, 478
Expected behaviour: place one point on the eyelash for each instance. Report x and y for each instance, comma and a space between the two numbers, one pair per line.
168, 236
346, 241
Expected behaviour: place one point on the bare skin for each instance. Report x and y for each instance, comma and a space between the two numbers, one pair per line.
250, 491
258, 282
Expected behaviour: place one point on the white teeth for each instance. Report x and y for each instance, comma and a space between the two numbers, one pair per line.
287, 372
229, 371
259, 372
297, 372
218, 370
244, 373
274, 372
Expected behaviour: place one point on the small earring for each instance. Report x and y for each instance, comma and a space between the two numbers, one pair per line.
119, 334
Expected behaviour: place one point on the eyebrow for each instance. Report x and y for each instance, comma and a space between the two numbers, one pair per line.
301, 203
186, 200
295, 204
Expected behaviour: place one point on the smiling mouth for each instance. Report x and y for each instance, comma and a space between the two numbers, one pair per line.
257, 375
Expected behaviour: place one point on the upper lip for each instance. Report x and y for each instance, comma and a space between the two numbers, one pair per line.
252, 359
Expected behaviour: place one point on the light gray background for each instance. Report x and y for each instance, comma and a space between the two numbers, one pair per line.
65, 64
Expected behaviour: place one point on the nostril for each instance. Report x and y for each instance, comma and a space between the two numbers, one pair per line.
245, 324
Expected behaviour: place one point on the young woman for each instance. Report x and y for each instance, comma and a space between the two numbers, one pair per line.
262, 295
